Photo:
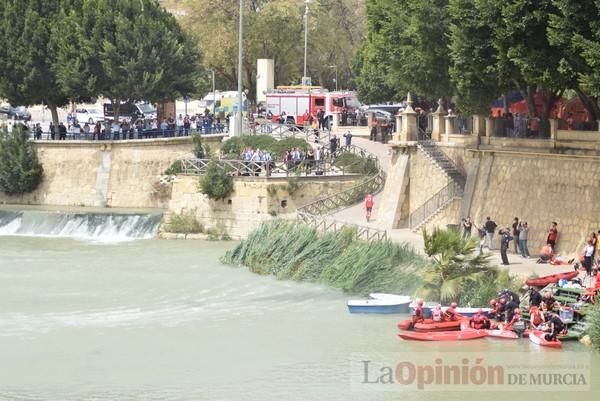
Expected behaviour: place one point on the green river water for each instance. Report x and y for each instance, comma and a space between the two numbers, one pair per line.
164, 320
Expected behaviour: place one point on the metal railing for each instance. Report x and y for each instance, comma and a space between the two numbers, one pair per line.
280, 131
326, 224
274, 168
450, 192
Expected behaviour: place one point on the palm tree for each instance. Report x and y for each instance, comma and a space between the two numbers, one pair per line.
453, 263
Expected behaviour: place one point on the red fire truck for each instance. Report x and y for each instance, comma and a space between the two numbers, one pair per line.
295, 101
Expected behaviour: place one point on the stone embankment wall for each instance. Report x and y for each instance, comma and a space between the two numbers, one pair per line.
112, 174
253, 201
534, 183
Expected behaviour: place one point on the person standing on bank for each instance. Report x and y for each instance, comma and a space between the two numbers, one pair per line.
490, 227
504, 243
552, 236
467, 226
523, 236
515, 232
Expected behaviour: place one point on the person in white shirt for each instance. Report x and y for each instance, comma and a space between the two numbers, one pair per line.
588, 253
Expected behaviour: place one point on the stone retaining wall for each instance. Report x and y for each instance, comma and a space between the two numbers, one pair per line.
106, 173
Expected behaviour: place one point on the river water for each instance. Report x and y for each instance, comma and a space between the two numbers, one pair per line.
164, 320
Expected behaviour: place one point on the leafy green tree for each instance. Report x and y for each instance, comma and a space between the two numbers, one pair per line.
27, 54
133, 50
454, 262
573, 29
20, 169
216, 183
473, 55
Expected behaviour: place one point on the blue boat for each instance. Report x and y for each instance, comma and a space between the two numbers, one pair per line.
384, 304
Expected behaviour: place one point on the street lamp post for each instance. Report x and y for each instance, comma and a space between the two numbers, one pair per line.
336, 76
241, 31
306, 2
213, 91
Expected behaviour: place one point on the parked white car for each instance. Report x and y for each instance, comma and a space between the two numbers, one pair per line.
90, 116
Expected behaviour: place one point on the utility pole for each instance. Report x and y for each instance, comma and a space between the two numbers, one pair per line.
213, 91
240, 100
336, 76
306, 2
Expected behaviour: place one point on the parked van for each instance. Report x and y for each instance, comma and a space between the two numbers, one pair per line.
131, 111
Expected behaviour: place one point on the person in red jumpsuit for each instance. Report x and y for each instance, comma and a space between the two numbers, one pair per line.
419, 313
451, 314
480, 321
516, 324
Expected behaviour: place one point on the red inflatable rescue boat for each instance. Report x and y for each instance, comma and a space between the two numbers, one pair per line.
443, 335
429, 325
554, 278
507, 334
539, 337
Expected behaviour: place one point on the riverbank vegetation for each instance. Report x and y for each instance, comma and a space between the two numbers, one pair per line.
593, 330
216, 183
20, 170
288, 250
297, 252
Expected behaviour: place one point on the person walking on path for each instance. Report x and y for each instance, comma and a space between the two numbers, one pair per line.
490, 227
481, 233
588, 252
348, 136
505, 241
515, 232
552, 236
369, 202
523, 236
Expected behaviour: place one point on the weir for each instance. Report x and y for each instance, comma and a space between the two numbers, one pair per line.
80, 225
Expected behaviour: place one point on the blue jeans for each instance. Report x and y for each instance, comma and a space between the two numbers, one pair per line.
490, 238
523, 246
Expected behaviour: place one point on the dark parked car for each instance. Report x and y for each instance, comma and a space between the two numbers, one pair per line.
19, 113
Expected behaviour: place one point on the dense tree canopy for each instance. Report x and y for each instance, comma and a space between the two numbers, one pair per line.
478, 50
275, 29
125, 50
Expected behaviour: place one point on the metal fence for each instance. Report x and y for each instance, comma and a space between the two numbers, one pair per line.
325, 224
432, 205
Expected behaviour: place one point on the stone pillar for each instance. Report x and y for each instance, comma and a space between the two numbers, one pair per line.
398, 127
478, 125
489, 127
449, 119
438, 126
336, 121
553, 128
410, 131
369, 119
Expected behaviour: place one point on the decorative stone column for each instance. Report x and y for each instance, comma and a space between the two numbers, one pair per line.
369, 119
489, 127
478, 125
398, 127
410, 132
449, 119
438, 125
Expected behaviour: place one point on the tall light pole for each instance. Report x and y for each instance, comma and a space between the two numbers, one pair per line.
213, 91
306, 2
240, 102
336, 76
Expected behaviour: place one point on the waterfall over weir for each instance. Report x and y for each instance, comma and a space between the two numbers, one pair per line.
80, 225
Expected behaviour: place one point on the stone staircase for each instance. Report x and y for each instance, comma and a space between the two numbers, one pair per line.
442, 161
435, 205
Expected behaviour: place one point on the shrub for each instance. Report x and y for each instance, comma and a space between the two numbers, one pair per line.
235, 145
184, 223
216, 183
20, 170
593, 317
201, 151
355, 164
175, 168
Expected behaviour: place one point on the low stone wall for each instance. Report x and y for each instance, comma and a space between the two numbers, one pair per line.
253, 201
106, 173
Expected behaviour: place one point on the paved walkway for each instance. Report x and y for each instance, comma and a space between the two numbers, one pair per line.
356, 215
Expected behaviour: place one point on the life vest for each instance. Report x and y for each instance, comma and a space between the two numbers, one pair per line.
369, 201
451, 313
478, 322
417, 314
436, 315
537, 318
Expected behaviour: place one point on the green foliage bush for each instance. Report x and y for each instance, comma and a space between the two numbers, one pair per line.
297, 252
216, 183
201, 151
234, 146
175, 168
593, 318
355, 164
184, 223
20, 170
